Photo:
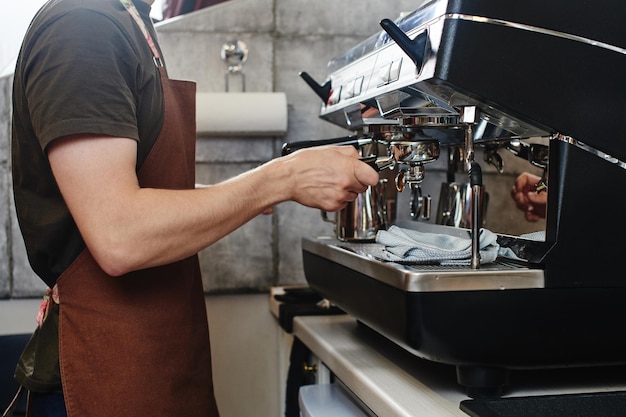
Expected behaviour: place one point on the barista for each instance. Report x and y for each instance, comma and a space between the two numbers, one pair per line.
528, 199
103, 150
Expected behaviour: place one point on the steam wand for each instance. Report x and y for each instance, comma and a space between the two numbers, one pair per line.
476, 182
468, 117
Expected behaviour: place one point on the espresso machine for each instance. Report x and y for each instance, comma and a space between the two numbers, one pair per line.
490, 75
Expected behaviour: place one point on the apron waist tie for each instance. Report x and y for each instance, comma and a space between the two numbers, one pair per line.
51, 296
9, 411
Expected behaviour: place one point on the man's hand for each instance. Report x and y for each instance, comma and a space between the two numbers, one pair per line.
525, 194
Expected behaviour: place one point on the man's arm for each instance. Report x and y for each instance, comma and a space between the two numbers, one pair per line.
127, 227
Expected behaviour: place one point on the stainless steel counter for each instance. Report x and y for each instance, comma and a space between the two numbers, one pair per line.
394, 383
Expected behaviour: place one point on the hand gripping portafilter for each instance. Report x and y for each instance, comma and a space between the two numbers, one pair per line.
372, 210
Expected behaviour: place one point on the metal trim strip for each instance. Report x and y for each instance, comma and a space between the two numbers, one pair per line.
580, 145
426, 278
536, 29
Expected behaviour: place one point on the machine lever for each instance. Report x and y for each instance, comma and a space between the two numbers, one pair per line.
323, 91
414, 48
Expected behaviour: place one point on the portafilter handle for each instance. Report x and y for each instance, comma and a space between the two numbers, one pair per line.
380, 163
291, 147
377, 162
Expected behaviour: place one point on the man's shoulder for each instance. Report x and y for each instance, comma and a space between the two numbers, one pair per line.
71, 5
59, 9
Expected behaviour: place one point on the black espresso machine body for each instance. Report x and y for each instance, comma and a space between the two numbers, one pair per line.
570, 87
534, 68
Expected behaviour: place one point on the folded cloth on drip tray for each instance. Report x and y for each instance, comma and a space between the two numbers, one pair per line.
411, 246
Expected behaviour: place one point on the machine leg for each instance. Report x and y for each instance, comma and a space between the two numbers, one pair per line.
482, 382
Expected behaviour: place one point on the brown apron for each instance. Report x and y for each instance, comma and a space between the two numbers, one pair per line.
138, 345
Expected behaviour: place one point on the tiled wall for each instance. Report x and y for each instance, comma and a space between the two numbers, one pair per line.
284, 37
5, 224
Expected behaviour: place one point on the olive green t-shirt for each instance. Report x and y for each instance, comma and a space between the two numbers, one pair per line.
84, 68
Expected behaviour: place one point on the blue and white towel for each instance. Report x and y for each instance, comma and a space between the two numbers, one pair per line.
410, 246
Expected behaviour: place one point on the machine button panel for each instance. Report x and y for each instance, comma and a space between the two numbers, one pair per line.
348, 91
383, 74
335, 96
352, 88
389, 73
394, 72
358, 86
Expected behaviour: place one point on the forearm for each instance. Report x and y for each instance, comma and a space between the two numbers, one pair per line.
175, 224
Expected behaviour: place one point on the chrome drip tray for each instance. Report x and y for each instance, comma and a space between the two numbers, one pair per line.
361, 257
484, 321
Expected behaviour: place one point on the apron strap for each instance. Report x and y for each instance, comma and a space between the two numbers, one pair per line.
51, 296
132, 10
9, 411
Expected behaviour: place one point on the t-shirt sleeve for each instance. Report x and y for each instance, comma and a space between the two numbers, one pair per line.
83, 79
